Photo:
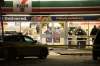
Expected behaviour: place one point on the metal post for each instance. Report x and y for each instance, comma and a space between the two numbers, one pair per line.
1, 21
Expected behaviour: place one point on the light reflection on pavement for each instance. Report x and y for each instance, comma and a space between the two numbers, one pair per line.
53, 53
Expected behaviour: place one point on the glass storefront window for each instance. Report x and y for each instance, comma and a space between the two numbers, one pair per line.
58, 33
65, 32
53, 33
35, 30
46, 32
10, 26
77, 34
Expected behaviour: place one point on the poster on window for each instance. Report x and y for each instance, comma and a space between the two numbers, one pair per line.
56, 37
48, 39
48, 35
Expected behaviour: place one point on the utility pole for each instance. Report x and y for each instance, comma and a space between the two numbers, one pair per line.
1, 20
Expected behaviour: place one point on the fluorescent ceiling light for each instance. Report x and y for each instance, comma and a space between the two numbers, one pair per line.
53, 15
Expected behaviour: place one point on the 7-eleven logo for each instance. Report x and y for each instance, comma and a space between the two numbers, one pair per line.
23, 1
23, 4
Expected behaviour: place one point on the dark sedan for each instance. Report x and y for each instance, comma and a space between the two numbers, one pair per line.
21, 46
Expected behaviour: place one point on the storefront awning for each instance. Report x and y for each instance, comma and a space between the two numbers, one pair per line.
78, 6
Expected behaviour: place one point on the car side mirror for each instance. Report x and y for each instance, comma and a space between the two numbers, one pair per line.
34, 41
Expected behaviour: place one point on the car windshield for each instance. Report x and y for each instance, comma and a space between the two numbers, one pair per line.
29, 39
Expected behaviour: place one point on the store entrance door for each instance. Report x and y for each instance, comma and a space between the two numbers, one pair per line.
53, 33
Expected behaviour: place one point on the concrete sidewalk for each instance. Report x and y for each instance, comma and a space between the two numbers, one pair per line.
64, 51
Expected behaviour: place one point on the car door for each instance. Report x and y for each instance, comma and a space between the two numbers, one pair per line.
28, 47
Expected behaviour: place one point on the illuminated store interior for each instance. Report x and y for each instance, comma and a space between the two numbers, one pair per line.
50, 29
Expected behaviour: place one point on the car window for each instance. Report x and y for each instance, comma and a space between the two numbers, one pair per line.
28, 39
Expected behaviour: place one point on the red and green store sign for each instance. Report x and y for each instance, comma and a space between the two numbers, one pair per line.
28, 6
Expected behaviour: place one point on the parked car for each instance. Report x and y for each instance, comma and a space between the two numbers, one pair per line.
21, 46
96, 46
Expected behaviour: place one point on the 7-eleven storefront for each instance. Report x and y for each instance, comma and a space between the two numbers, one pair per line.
52, 30
51, 23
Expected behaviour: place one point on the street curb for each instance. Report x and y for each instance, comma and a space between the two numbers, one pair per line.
75, 53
